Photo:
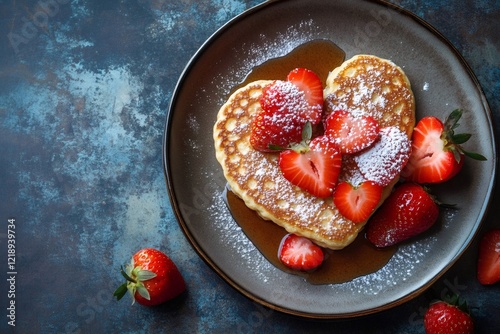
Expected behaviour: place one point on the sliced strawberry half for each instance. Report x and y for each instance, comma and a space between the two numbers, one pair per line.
314, 166
353, 134
385, 159
310, 84
488, 265
357, 203
300, 253
437, 154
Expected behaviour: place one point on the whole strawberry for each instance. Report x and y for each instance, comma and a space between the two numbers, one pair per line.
407, 212
151, 278
443, 317
286, 107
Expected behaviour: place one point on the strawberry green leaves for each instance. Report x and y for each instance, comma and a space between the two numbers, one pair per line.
456, 140
151, 278
134, 284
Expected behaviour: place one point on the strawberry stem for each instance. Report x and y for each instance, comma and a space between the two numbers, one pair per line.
127, 277
122, 289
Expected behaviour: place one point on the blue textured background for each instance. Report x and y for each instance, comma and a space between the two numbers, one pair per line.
84, 89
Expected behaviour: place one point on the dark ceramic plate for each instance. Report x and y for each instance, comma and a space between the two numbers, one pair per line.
441, 81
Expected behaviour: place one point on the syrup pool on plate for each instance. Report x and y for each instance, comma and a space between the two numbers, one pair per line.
320, 56
359, 258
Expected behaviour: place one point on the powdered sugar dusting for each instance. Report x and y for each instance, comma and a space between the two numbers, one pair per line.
386, 158
350, 172
363, 98
289, 100
400, 268
296, 203
268, 47
256, 177
229, 233
368, 85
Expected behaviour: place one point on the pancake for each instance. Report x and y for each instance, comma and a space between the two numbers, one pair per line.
255, 177
369, 85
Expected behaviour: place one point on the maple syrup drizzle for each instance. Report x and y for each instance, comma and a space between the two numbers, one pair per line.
320, 56
360, 257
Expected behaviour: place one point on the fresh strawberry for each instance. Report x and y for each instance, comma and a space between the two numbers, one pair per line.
353, 134
272, 129
385, 159
310, 84
281, 97
437, 154
407, 212
300, 253
488, 264
314, 165
152, 278
446, 317
286, 107
357, 203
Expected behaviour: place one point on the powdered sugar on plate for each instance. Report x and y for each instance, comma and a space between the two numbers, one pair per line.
268, 47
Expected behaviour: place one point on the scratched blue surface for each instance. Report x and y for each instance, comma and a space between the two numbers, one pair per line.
84, 89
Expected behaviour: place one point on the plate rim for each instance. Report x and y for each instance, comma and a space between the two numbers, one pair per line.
238, 287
